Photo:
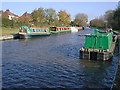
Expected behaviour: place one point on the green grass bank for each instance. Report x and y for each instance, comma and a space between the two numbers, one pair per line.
8, 31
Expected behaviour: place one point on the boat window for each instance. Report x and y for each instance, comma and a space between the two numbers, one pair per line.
58, 29
41, 30
37, 30
44, 30
53, 28
33, 30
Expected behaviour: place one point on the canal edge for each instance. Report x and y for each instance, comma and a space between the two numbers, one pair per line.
116, 85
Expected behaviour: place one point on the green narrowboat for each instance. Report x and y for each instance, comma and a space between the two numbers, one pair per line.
60, 29
98, 46
27, 32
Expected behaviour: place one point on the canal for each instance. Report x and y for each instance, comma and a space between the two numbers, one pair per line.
53, 62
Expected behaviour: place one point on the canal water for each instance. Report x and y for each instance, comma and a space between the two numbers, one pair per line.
53, 62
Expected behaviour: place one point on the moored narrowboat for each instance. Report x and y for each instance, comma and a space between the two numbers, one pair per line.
27, 32
60, 29
99, 46
80, 28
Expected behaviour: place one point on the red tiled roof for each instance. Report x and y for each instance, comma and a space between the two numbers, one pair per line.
25, 15
7, 12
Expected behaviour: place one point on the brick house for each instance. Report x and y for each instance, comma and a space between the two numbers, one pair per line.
9, 15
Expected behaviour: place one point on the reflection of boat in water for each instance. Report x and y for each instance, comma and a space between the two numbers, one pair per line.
98, 46
27, 32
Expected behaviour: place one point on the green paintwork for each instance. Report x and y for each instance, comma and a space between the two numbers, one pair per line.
26, 28
30, 31
60, 31
98, 40
38, 34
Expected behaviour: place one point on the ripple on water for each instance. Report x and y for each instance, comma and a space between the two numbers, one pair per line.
53, 62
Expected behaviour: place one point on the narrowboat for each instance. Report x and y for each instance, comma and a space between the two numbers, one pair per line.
74, 29
98, 46
80, 28
60, 29
27, 32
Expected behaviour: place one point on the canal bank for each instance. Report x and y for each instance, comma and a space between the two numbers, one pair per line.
6, 37
117, 79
